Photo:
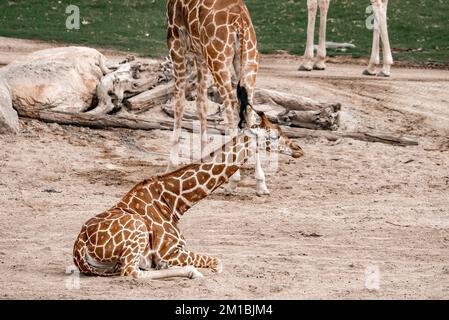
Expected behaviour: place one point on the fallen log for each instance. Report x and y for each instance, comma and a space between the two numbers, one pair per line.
324, 119
130, 122
336, 45
291, 101
381, 137
286, 100
96, 121
212, 118
130, 79
151, 98
361, 136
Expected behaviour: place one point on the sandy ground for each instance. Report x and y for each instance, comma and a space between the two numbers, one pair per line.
348, 217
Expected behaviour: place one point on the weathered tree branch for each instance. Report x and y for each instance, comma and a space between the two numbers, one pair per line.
192, 116
325, 119
107, 121
291, 101
149, 99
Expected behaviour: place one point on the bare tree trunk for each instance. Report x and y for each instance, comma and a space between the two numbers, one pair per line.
107, 121
149, 99
325, 119
291, 101
192, 116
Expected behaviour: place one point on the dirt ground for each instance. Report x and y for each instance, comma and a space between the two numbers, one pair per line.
350, 219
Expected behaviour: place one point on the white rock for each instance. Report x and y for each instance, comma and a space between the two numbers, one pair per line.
9, 120
61, 79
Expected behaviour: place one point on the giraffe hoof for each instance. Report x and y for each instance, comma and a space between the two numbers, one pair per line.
195, 274
217, 267
304, 68
319, 67
262, 193
366, 72
383, 75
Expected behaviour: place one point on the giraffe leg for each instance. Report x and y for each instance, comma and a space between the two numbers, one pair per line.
201, 102
246, 72
312, 7
177, 54
137, 246
237, 60
223, 80
321, 54
179, 257
181, 272
375, 58
261, 186
387, 56
231, 186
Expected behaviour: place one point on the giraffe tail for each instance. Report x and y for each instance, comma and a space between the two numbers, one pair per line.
242, 96
81, 259
248, 64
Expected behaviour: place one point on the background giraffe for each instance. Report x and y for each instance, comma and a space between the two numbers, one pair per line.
141, 231
380, 31
221, 37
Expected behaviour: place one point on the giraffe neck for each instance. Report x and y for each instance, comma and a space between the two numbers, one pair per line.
188, 185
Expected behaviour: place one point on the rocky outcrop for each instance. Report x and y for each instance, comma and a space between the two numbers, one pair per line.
9, 120
61, 79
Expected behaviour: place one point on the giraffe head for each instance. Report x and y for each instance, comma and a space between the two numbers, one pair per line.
268, 133
270, 136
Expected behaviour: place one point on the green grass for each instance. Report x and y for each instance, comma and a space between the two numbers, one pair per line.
139, 25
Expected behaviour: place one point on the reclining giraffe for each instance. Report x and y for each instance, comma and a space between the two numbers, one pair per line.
380, 30
141, 231
221, 37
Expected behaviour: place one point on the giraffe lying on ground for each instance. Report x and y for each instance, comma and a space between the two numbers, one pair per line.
141, 232
380, 30
221, 37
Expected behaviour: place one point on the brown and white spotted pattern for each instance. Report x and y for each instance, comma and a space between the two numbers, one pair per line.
141, 231
221, 37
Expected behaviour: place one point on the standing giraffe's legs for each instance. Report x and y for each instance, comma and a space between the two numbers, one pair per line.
380, 29
249, 81
321, 54
375, 58
177, 53
312, 8
201, 101
260, 177
223, 81
383, 26
230, 104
